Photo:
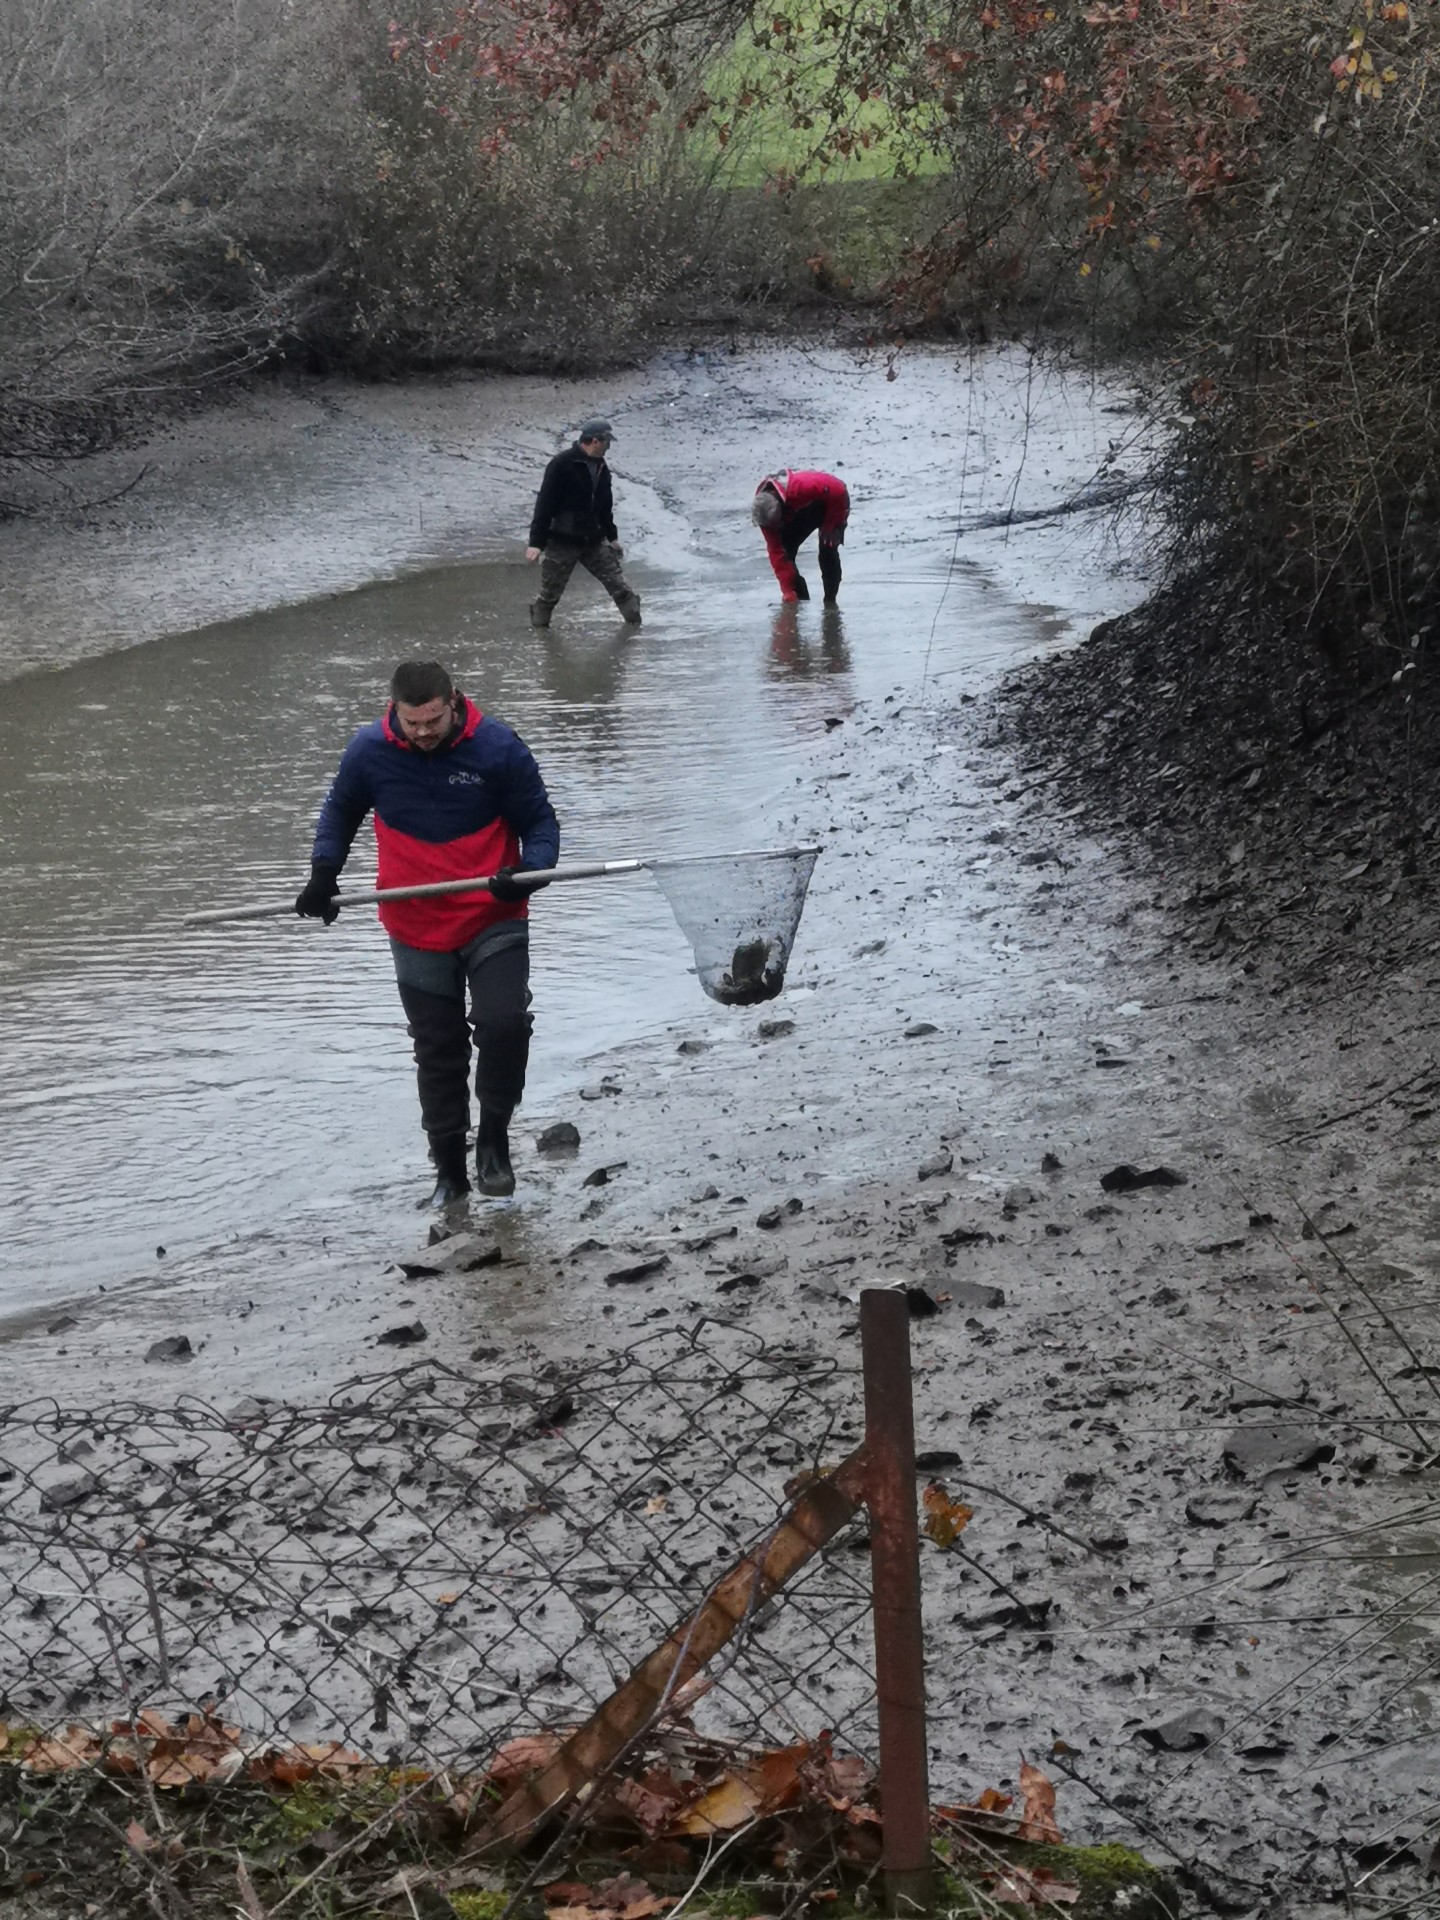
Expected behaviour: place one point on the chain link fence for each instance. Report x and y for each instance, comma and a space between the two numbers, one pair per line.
436, 1558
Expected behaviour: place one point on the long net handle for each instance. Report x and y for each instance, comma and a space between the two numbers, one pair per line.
477, 884
596, 870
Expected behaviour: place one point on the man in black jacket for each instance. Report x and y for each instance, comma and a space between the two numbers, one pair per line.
575, 521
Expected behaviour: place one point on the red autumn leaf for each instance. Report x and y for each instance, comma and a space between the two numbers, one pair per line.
945, 1519
1037, 1813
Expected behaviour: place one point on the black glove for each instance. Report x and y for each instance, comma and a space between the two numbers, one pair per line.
515, 883
316, 899
802, 587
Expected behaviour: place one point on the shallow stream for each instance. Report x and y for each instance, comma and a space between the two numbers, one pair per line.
178, 1089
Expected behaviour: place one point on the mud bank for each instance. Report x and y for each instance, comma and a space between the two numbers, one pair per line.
1220, 1391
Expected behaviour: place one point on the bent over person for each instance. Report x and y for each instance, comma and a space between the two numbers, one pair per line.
788, 507
454, 793
574, 524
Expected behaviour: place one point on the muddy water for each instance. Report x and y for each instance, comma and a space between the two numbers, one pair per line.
190, 1089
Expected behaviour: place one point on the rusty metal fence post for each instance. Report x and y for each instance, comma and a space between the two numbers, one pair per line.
895, 1577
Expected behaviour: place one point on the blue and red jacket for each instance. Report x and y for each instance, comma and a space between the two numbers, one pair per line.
814, 502
473, 805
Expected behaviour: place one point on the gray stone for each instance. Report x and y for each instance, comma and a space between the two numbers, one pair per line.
1017, 1197
642, 1270
772, 1216
1254, 1452
775, 1029
68, 1492
409, 1334
1219, 1507
1187, 1732
556, 1139
974, 1293
175, 1346
938, 1164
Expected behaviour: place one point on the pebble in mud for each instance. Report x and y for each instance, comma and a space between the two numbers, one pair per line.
556, 1139
1219, 1507
1186, 1733
1253, 1452
175, 1346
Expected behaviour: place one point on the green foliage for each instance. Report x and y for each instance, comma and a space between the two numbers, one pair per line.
481, 1905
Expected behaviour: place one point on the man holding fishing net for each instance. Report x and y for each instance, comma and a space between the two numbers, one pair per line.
454, 793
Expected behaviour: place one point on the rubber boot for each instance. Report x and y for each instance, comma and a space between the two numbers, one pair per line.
452, 1181
493, 1172
630, 609
539, 615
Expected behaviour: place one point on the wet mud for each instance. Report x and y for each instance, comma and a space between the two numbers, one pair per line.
1194, 1416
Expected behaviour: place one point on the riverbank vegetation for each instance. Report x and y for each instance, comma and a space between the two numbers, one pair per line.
1250, 189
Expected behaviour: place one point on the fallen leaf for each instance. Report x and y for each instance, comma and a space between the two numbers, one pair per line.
137, 1838
656, 1504
568, 1893
945, 1519
725, 1806
446, 1599
521, 1757
1016, 1888
1037, 1812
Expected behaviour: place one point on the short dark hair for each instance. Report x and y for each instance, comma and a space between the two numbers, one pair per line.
415, 683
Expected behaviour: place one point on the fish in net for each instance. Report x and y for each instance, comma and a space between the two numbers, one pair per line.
740, 913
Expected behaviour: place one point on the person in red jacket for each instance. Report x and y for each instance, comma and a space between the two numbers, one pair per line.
453, 792
789, 507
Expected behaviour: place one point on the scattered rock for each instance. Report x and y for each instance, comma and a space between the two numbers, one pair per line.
938, 1164
1051, 1164
1257, 1451
920, 1029
1128, 1179
772, 1216
641, 1270
1009, 1613
735, 1281
556, 1139
935, 1459
870, 949
922, 1305
1219, 1507
775, 1029
1111, 1538
691, 1047
601, 1176
68, 1492
1018, 1196
701, 1194
1186, 1733
974, 1293
459, 1253
1221, 1246
63, 1324
175, 1346
967, 1237
598, 1091
408, 1334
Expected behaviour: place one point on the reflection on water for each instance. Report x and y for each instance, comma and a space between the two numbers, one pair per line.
798, 655
175, 1087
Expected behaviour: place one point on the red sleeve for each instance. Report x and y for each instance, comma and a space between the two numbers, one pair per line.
786, 572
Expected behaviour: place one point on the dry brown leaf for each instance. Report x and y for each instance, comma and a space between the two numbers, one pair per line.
137, 1838
1014, 1887
521, 1757
62, 1752
649, 1802
730, 1803
1037, 1812
447, 1599
568, 1893
945, 1519
656, 1504
776, 1776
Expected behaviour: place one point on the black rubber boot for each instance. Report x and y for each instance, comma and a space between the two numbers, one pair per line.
539, 615
493, 1172
452, 1181
630, 609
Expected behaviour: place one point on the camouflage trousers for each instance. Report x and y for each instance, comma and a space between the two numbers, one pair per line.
560, 559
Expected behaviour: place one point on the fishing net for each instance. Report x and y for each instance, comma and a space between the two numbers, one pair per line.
740, 912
